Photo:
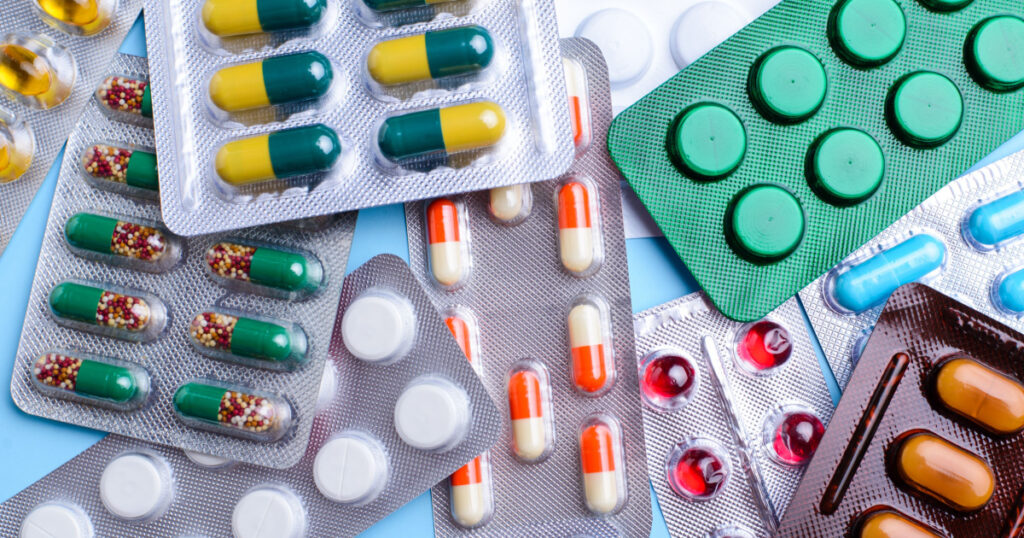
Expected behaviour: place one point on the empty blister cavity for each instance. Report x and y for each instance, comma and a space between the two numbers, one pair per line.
698, 468
284, 154
108, 310
208, 461
453, 58
668, 379
351, 468
580, 241
264, 270
992, 53
52, 519
867, 33
731, 531
379, 326
590, 346
34, 70
91, 379
454, 136
996, 223
924, 109
707, 141
232, 410
863, 284
886, 522
448, 244
77, 17
249, 339
762, 346
122, 168
328, 388
136, 486
579, 104
601, 464
764, 224
432, 414
512, 204
787, 85
984, 397
127, 98
935, 468
17, 147
269, 511
122, 241
529, 404
845, 166
792, 433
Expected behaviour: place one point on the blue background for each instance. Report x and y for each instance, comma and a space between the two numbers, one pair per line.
32, 446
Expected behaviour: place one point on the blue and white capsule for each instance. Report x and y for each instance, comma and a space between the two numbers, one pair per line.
996, 222
869, 283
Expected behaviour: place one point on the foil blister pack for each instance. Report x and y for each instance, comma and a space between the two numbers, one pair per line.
214, 343
53, 54
964, 241
544, 315
331, 105
732, 414
926, 439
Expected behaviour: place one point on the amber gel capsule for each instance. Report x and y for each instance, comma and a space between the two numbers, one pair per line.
891, 524
981, 395
936, 468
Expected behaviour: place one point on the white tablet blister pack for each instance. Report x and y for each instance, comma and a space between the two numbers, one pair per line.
405, 411
213, 343
732, 414
964, 241
53, 54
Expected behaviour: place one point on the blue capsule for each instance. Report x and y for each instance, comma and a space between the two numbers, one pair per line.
998, 220
870, 283
1010, 292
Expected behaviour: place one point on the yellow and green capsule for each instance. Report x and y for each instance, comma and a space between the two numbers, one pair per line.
278, 155
431, 55
274, 81
395, 5
445, 130
239, 17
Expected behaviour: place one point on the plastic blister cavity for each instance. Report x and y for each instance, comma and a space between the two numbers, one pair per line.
254, 341
601, 464
379, 326
91, 379
432, 414
529, 411
580, 241
264, 269
80, 17
136, 486
233, 410
351, 469
590, 346
127, 98
134, 244
17, 147
122, 168
447, 229
35, 70
110, 311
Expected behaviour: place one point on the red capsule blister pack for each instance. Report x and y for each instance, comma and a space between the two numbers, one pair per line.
926, 440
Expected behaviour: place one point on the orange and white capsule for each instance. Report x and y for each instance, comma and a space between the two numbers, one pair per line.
528, 409
463, 335
577, 247
448, 256
602, 476
471, 500
579, 107
592, 369
510, 205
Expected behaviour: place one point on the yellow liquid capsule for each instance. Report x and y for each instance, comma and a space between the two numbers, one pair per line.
23, 71
75, 12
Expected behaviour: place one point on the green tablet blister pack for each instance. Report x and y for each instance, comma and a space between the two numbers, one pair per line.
778, 153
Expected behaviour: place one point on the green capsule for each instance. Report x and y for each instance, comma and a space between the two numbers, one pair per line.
262, 416
112, 236
278, 155
430, 55
442, 131
88, 304
90, 378
239, 17
274, 81
287, 271
395, 5
246, 337
135, 168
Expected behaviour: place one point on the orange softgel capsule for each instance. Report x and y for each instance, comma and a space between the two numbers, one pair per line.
577, 247
888, 523
23, 71
444, 238
592, 369
981, 395
936, 468
527, 409
602, 479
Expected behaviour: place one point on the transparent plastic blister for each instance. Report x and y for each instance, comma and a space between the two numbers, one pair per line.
334, 105
91, 379
963, 241
113, 283
122, 168
732, 413
519, 300
53, 53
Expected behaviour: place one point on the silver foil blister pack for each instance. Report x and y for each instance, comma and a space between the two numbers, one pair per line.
549, 331
212, 191
963, 241
732, 413
123, 315
56, 67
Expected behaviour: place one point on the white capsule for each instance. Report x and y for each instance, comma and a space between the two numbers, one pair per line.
510, 204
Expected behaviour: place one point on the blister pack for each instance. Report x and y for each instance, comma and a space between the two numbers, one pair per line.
732, 414
533, 281
781, 151
53, 54
926, 440
215, 344
964, 241
296, 108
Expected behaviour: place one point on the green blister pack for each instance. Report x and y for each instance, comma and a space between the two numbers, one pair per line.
781, 151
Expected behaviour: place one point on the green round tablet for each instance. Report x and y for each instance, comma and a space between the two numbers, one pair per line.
945, 5
845, 166
924, 109
787, 84
994, 53
867, 33
708, 141
765, 223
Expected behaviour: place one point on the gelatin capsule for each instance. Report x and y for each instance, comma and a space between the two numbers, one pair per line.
510, 205
579, 106
248, 338
132, 167
593, 371
1008, 292
119, 385
600, 453
247, 414
669, 379
16, 147
888, 523
125, 94
81, 17
997, 221
35, 70
23, 71
395, 5
239, 17
763, 345
471, 501
431, 55
528, 410
97, 306
981, 395
464, 336
442, 131
448, 254
274, 81
577, 247
264, 266
698, 469
278, 155
955, 478
106, 235
869, 283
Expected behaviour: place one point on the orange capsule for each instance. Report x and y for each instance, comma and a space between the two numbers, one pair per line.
527, 403
471, 500
448, 261
602, 479
576, 85
592, 372
460, 330
577, 247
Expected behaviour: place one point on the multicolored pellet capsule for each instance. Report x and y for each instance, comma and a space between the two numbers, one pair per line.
127, 95
241, 413
274, 81
442, 131
106, 235
286, 271
97, 306
240, 17
91, 379
132, 167
278, 155
431, 55
395, 5
248, 338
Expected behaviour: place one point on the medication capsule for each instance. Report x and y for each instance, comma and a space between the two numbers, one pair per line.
274, 81
577, 247
510, 204
16, 147
395, 5
97, 306
981, 395
239, 17
889, 523
997, 221
870, 283
930, 465
463, 336
123, 94
265, 266
91, 379
1009, 292
576, 85
278, 155
592, 371
251, 415
132, 167
247, 337
602, 478
442, 131
24, 71
75, 12
528, 409
107, 235
431, 55
471, 502
448, 255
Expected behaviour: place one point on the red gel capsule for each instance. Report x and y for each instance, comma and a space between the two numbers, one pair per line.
669, 380
696, 471
764, 345
796, 437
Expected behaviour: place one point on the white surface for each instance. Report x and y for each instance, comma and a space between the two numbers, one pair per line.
328, 387
349, 470
377, 327
625, 41
53, 520
133, 487
431, 415
206, 460
268, 513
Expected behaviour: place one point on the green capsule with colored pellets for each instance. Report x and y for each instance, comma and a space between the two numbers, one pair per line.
104, 308
133, 167
249, 338
239, 17
240, 412
278, 155
273, 81
395, 5
430, 55
120, 385
442, 131
107, 235
286, 271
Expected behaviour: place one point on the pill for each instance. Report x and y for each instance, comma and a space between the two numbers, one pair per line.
888, 523
25, 72
238, 17
764, 345
135, 486
432, 414
510, 204
91, 378
132, 167
867, 33
16, 148
278, 155
936, 468
350, 469
54, 519
265, 266
602, 478
378, 327
981, 395
998, 220
593, 371
471, 502
394, 5
625, 41
701, 28
124, 94
1009, 292
668, 379
579, 117
993, 51
274, 81
207, 460
924, 109
448, 262
247, 337
98, 306
463, 335
233, 410
845, 166
527, 409
787, 85
765, 224
81, 13
796, 436
697, 469
707, 141
442, 131
869, 283
268, 512
107, 235
431, 55
576, 245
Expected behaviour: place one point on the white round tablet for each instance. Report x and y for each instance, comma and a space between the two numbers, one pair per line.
701, 28
135, 486
268, 512
625, 41
431, 414
50, 520
328, 388
207, 460
350, 469
378, 327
